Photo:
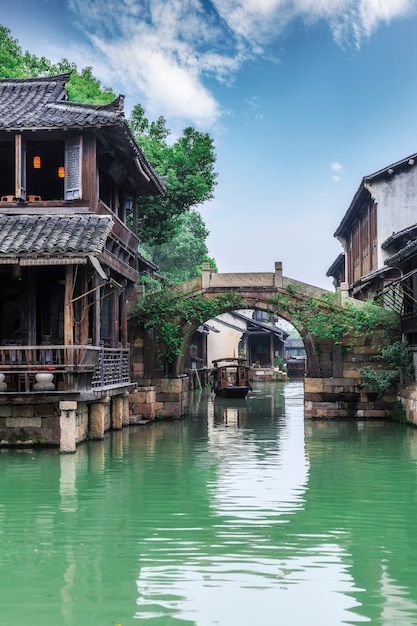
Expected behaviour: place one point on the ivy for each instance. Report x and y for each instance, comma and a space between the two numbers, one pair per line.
399, 359
165, 312
325, 318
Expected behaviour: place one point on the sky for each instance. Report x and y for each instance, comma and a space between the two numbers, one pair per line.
302, 98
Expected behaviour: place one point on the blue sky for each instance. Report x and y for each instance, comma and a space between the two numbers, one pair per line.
302, 97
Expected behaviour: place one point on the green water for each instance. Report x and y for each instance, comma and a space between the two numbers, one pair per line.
241, 515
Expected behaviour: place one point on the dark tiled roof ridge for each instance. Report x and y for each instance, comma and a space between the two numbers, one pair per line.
68, 105
53, 235
56, 78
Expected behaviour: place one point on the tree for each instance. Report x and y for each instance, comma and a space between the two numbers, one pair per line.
188, 167
82, 86
181, 258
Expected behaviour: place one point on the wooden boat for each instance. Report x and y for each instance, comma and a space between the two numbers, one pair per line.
230, 378
296, 366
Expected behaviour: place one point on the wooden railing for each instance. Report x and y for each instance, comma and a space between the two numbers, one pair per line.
73, 368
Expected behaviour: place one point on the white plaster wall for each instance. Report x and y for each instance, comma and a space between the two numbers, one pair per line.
397, 205
225, 343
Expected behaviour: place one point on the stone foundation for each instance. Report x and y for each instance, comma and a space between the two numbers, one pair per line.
159, 397
332, 398
408, 398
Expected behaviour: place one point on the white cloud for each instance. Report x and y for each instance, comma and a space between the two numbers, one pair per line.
164, 52
336, 179
336, 167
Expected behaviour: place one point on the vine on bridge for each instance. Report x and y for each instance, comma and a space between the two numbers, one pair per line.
326, 318
164, 312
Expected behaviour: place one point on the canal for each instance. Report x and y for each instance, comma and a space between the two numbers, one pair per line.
241, 514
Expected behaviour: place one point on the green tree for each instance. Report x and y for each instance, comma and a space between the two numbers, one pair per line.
82, 86
180, 258
188, 167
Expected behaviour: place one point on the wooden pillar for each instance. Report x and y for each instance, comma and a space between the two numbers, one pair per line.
69, 310
135, 215
81, 309
123, 319
114, 317
96, 310
271, 349
31, 307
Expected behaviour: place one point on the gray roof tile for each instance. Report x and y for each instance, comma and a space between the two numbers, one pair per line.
43, 103
53, 234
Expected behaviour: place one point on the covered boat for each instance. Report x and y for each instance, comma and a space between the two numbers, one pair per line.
296, 366
230, 378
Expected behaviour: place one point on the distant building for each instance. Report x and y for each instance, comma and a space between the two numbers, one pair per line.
379, 238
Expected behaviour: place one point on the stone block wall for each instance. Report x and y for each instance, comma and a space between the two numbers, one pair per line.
164, 397
408, 398
339, 393
172, 394
29, 424
143, 404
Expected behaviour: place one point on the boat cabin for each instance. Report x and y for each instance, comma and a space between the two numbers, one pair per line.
230, 378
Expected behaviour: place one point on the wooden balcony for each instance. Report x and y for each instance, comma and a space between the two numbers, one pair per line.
70, 369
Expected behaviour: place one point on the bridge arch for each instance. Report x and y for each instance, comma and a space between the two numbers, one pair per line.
333, 387
259, 302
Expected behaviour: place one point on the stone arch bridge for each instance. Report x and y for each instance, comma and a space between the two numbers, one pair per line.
332, 388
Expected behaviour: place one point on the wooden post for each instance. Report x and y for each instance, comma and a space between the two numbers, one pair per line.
135, 215
96, 310
123, 319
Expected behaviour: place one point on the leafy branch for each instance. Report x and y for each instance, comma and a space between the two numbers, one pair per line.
164, 313
325, 318
400, 369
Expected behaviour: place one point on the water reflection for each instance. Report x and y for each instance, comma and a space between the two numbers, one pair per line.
242, 514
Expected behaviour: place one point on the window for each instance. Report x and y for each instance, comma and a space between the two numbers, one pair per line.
40, 169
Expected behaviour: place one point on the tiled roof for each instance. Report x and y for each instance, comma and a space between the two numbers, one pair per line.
410, 249
53, 234
42, 103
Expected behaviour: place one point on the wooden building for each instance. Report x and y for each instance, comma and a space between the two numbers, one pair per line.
379, 238
71, 179
384, 204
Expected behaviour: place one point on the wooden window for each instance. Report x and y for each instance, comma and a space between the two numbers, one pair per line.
20, 170
73, 154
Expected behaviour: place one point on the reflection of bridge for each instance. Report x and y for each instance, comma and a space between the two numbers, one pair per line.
333, 386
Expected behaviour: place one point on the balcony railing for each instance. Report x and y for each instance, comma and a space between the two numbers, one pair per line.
67, 368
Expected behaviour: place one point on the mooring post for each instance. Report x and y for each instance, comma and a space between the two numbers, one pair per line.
67, 426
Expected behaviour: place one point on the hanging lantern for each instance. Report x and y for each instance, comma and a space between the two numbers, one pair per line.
61, 172
37, 162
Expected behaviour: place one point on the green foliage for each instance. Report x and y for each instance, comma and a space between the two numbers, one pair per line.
325, 318
82, 86
399, 413
167, 315
400, 370
38, 440
379, 381
188, 167
181, 258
